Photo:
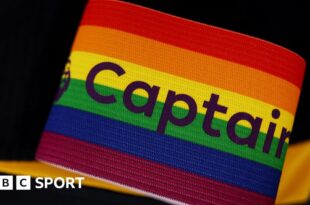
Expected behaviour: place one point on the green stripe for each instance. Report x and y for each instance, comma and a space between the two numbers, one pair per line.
77, 97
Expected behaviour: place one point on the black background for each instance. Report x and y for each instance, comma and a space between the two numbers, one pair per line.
35, 40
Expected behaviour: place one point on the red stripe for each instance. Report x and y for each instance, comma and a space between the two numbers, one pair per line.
198, 37
139, 173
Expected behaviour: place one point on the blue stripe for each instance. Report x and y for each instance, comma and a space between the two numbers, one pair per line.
167, 150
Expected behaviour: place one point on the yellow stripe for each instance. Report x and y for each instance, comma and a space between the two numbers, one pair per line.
38, 169
82, 62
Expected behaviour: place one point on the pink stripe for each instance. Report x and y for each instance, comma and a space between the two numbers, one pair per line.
141, 174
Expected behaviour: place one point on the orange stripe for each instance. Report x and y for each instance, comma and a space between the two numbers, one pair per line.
194, 66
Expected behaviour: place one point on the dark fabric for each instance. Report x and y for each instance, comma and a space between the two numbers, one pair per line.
35, 40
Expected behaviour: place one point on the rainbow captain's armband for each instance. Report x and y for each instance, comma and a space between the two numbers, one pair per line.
177, 110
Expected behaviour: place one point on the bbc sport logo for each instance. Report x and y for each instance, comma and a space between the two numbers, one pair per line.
23, 182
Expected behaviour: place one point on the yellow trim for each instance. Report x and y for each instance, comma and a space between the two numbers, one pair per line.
295, 180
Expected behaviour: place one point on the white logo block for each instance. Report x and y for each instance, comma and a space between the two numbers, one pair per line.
6, 182
23, 183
